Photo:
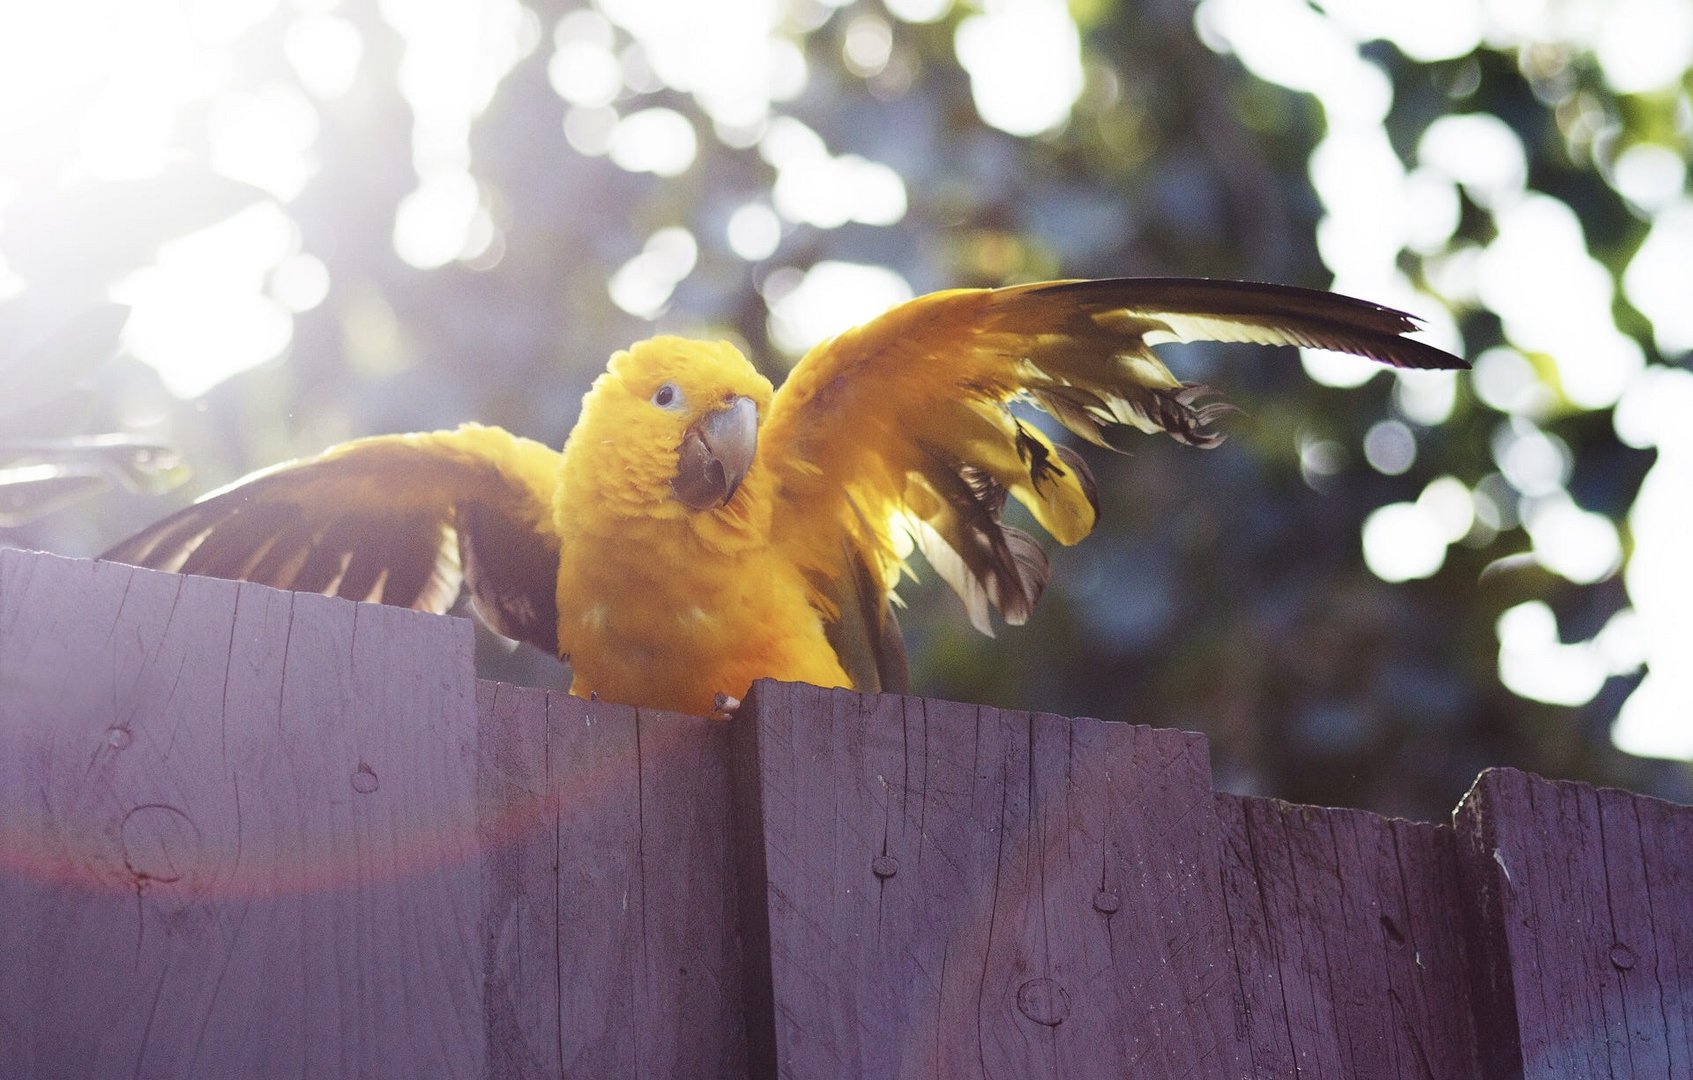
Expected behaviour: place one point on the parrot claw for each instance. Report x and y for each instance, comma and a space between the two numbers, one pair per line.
723, 707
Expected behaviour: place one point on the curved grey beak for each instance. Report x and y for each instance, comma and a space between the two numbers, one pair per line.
715, 454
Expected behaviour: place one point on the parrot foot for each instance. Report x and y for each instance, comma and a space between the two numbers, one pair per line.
723, 707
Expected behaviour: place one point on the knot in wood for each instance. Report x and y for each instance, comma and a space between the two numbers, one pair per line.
1106, 902
364, 779
1622, 956
160, 843
884, 866
1044, 1001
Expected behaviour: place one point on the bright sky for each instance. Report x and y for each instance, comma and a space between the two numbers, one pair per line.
119, 75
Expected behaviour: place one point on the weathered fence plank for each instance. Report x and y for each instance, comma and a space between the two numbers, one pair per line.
1352, 963
204, 870
522, 902
957, 891
1582, 898
244, 832
610, 903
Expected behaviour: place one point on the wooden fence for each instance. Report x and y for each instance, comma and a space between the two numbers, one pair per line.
245, 833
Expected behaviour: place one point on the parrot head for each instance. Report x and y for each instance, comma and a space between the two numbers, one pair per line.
675, 426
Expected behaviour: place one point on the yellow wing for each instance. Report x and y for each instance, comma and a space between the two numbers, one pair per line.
400, 519
905, 422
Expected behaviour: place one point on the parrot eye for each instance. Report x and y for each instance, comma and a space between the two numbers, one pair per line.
668, 397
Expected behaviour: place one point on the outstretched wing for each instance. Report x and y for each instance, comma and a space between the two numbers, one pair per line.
905, 420
398, 519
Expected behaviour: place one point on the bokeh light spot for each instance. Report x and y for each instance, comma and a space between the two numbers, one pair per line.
1451, 506
1645, 44
589, 130
324, 51
828, 192
1427, 32
827, 299
1659, 279
1654, 411
264, 139
1534, 664
1655, 718
1535, 462
1024, 61
918, 11
866, 45
432, 224
1320, 459
1504, 379
300, 282
1390, 447
1571, 542
1338, 369
1403, 541
1426, 397
199, 313
1554, 298
1649, 175
732, 56
754, 231
585, 73
658, 141
1479, 151
643, 285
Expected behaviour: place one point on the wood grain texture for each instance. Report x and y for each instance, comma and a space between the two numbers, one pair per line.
958, 891
1581, 898
608, 890
239, 828
250, 833
518, 830
1347, 934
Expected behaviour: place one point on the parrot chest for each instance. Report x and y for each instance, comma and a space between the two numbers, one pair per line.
642, 623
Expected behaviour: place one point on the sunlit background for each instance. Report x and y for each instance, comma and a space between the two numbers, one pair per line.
234, 231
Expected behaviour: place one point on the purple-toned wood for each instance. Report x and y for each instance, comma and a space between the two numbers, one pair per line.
1346, 930
691, 1012
1583, 900
958, 891
628, 857
520, 884
239, 831
244, 832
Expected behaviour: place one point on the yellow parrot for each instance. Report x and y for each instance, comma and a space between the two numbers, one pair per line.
700, 530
